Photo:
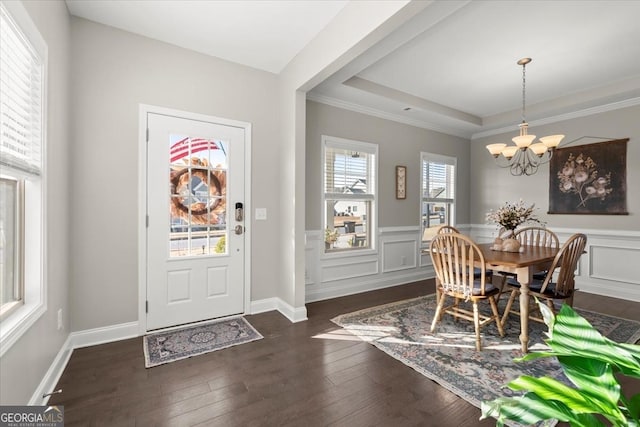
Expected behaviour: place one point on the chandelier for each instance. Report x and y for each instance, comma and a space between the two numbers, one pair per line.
524, 157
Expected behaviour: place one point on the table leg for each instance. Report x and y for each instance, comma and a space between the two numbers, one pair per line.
524, 278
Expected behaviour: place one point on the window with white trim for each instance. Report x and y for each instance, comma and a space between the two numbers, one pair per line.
438, 190
349, 194
22, 76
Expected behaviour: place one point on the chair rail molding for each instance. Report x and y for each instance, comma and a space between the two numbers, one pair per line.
395, 260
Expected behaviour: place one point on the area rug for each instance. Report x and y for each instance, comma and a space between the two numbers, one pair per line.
402, 330
177, 344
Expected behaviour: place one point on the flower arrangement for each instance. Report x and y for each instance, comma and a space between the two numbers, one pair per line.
331, 235
511, 215
580, 176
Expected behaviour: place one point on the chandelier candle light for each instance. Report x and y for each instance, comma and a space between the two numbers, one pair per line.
525, 157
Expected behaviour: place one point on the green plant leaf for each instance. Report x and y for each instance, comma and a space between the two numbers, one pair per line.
591, 362
634, 406
547, 315
551, 389
587, 420
596, 382
572, 335
526, 409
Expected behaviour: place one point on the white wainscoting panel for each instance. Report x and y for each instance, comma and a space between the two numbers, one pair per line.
349, 268
393, 262
608, 268
399, 254
612, 263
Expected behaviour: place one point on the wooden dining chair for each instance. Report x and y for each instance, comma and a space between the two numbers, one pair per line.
447, 229
550, 289
453, 256
451, 229
531, 236
537, 236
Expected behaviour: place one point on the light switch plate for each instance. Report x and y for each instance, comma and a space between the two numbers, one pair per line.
261, 214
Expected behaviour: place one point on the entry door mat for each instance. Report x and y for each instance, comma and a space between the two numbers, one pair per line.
169, 346
448, 357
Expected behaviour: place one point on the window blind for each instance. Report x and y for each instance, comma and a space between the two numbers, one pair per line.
438, 178
347, 171
20, 100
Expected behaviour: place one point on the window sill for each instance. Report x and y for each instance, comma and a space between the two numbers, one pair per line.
19, 322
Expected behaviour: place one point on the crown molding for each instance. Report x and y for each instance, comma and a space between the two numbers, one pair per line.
631, 102
357, 108
334, 102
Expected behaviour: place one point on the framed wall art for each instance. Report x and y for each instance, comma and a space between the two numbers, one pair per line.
401, 182
589, 179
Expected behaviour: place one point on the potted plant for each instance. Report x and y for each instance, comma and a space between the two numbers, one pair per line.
591, 362
330, 237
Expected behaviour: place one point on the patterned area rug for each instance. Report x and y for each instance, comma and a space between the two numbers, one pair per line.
169, 346
402, 330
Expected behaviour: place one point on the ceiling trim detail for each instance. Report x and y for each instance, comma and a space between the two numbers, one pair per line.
334, 102
412, 100
631, 102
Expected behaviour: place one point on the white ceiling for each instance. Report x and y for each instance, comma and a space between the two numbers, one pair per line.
454, 64
262, 34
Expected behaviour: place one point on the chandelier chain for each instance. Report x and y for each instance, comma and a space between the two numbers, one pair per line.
524, 67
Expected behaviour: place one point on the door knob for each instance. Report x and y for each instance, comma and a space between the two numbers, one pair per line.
239, 229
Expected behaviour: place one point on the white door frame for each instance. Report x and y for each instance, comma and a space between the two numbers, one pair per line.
142, 202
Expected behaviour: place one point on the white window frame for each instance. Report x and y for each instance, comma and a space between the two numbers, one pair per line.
356, 146
34, 195
426, 157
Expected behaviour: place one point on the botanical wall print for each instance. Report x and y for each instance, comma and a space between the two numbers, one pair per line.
589, 179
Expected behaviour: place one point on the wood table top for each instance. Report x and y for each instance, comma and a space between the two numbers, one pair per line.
531, 255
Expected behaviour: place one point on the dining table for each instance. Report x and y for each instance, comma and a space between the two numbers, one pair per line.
522, 264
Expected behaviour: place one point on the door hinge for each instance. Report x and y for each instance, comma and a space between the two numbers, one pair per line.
147, 134
146, 306
147, 221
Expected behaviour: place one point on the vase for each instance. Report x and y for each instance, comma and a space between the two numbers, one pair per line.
509, 242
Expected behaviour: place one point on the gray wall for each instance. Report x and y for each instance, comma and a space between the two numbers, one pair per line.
491, 186
398, 144
113, 72
24, 365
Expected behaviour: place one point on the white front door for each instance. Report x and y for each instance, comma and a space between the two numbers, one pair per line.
195, 234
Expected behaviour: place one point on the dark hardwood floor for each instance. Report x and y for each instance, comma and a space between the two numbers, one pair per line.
298, 375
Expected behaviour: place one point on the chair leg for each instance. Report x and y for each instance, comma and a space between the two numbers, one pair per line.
507, 309
476, 324
503, 281
455, 306
496, 316
436, 317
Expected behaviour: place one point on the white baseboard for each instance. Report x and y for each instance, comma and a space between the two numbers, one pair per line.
104, 335
53, 374
264, 305
78, 340
124, 331
368, 284
294, 314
